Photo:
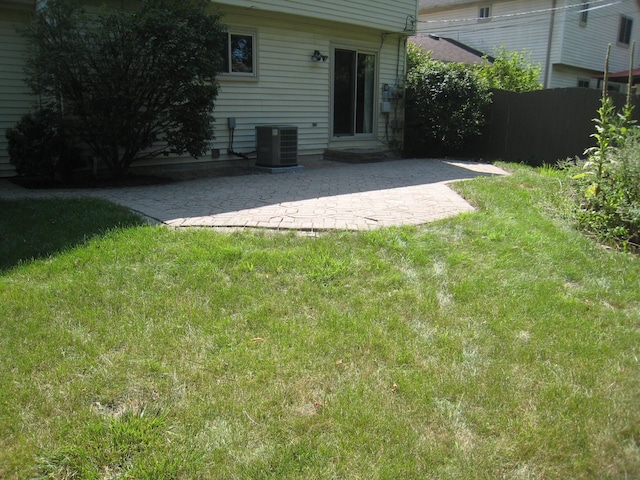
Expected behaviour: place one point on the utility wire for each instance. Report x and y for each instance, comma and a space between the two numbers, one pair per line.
442, 30
530, 12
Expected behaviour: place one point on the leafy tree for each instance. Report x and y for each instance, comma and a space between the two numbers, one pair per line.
445, 102
132, 84
511, 70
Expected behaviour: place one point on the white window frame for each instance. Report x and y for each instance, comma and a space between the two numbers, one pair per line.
226, 71
484, 13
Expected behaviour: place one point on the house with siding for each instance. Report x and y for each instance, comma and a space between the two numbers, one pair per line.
332, 69
568, 38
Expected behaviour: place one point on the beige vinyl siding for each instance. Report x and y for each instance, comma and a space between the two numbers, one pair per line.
508, 26
445, 4
601, 29
567, 77
386, 15
290, 89
577, 51
15, 99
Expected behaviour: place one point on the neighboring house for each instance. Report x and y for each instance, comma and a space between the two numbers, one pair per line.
450, 50
328, 68
568, 38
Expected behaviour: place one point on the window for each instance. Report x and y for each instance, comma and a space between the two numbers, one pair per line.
238, 54
624, 33
353, 92
583, 83
584, 14
484, 13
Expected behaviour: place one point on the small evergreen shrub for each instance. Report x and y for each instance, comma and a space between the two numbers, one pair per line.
38, 147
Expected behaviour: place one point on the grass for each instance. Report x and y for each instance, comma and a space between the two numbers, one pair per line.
497, 344
39, 229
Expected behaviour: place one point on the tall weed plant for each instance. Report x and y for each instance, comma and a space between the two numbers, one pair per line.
608, 183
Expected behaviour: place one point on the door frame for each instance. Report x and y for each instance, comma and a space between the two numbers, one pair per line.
376, 96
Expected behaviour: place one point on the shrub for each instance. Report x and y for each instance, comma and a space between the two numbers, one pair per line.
511, 70
135, 84
445, 103
39, 147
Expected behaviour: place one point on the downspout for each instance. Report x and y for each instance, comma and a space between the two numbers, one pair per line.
547, 66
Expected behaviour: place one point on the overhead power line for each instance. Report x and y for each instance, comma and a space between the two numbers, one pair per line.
530, 12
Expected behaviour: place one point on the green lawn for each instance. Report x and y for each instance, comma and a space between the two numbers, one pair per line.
500, 344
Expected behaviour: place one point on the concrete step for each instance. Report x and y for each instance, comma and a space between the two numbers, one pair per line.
356, 155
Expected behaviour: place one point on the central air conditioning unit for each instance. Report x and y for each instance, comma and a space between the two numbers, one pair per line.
277, 146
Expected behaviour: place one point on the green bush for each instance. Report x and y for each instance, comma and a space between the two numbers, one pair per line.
445, 104
39, 147
511, 70
135, 83
607, 184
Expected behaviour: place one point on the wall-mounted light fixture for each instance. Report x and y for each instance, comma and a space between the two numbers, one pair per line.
318, 57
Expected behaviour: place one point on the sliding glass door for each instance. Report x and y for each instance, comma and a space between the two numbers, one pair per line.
353, 92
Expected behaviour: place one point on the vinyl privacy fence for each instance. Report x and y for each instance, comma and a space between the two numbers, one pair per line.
536, 127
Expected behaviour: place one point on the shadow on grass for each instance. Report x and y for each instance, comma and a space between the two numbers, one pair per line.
38, 228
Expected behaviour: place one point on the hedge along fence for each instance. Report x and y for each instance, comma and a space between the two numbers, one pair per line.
537, 127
